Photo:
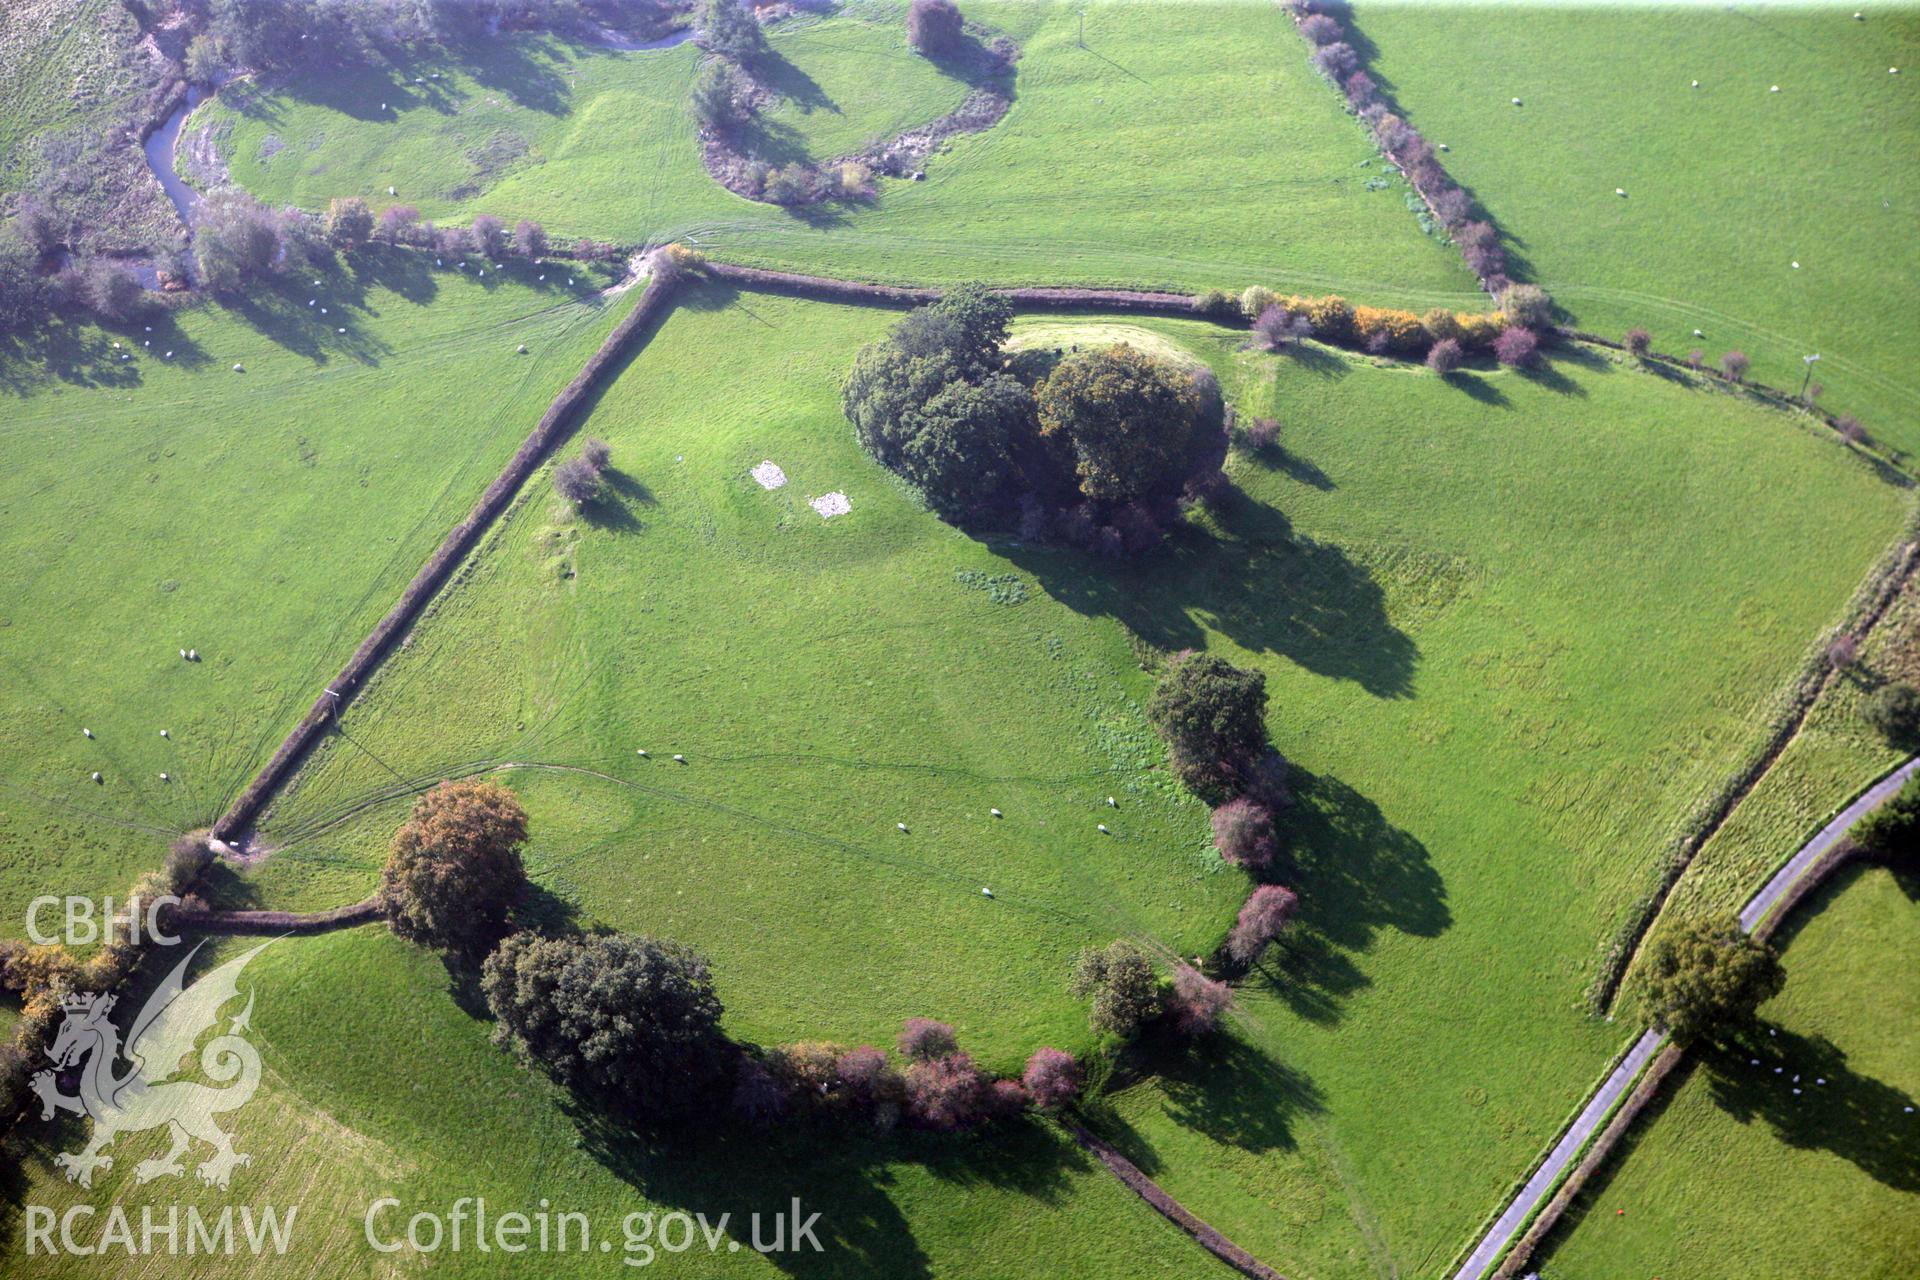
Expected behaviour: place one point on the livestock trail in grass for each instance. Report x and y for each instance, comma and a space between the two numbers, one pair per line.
1781, 223
768, 850
1184, 146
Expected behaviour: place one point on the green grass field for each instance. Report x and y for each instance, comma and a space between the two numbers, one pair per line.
1736, 1174
1728, 185
1188, 145
1487, 757
265, 519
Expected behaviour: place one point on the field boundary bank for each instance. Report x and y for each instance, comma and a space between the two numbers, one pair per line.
552, 427
1871, 601
1765, 392
1169, 1208
276, 922
1833, 852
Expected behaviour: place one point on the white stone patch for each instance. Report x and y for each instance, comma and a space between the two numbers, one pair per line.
832, 504
769, 475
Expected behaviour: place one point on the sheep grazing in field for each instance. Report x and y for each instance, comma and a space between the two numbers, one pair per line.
996, 813
193, 655
1112, 803
902, 826
679, 759
96, 775
640, 751
1796, 266
183, 654
523, 348
986, 892
392, 192
1620, 191
341, 330
1774, 89
165, 778
167, 356
238, 369
1104, 831
1516, 102
87, 732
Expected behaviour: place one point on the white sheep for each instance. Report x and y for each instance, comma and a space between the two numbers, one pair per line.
193, 655
679, 759
165, 778
996, 813
183, 654
238, 369
1620, 191
1516, 102
1774, 89
640, 751
96, 775
340, 330
87, 732
901, 825
986, 892
1104, 831
1112, 803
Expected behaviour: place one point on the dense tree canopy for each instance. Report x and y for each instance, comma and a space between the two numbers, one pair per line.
454, 872
1708, 976
1120, 981
628, 1021
1137, 427
1212, 716
939, 402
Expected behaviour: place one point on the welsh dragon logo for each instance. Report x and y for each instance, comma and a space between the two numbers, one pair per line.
169, 1025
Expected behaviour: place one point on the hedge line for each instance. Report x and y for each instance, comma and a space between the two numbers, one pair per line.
854, 291
553, 427
201, 920
1175, 1212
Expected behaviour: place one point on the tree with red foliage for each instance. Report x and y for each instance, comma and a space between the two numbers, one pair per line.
946, 1093
1268, 910
1516, 347
1052, 1078
1197, 1003
1444, 357
935, 27
923, 1038
1322, 29
1243, 832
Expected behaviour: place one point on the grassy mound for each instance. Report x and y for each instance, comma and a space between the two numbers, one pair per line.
1513, 625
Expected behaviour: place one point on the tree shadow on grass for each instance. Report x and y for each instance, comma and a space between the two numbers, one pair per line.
1259, 584
1860, 1119
1356, 874
789, 82
1221, 1088
842, 1174
81, 354
1478, 388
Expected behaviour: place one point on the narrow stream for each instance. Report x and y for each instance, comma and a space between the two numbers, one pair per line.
160, 157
